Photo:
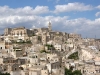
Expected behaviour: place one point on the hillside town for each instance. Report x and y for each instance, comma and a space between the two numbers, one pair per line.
43, 51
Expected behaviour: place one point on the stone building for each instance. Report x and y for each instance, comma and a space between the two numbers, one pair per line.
44, 38
2, 44
18, 33
7, 31
75, 36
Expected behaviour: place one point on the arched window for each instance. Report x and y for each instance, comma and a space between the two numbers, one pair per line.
15, 69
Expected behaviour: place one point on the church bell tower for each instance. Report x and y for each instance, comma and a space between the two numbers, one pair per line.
49, 26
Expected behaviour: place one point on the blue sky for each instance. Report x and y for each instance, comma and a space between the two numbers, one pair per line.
71, 16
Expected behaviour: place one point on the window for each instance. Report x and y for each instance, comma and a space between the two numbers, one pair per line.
1, 48
48, 58
21, 33
4, 69
21, 62
15, 69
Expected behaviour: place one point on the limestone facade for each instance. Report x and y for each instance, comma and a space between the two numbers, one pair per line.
18, 33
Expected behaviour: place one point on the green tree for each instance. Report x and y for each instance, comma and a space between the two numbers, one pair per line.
43, 51
50, 47
74, 56
70, 72
77, 72
4, 73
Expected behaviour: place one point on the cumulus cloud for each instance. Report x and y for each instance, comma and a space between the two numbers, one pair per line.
84, 26
30, 18
72, 7
98, 7
6, 10
97, 14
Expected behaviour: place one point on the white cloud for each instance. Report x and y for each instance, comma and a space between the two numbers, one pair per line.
79, 25
97, 14
98, 7
28, 17
72, 7
5, 10
41, 10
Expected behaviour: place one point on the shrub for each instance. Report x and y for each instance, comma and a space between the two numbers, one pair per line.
74, 56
